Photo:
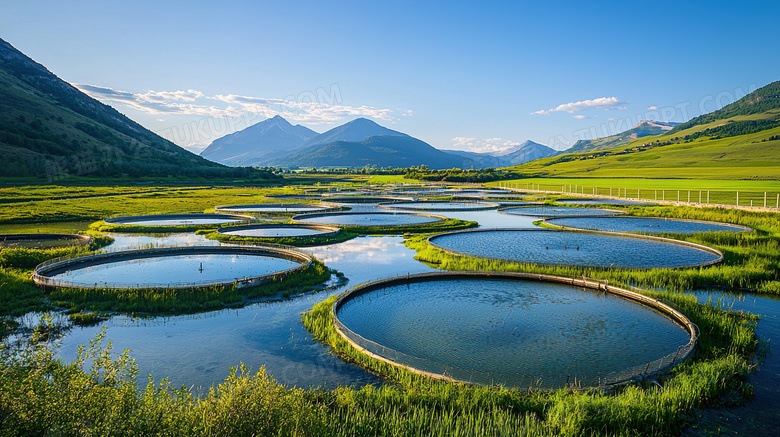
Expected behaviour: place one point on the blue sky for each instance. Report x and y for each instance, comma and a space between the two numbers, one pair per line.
470, 76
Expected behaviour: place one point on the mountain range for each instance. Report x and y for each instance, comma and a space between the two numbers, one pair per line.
49, 129
642, 129
361, 142
258, 143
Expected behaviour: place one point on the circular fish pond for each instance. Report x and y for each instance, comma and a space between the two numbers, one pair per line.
178, 219
604, 202
368, 219
648, 225
279, 231
560, 211
180, 267
42, 241
367, 199
439, 206
517, 330
576, 248
288, 208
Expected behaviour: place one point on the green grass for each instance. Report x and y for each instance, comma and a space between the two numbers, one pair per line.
179, 301
439, 226
162, 202
55, 227
751, 260
386, 179
39, 393
750, 156
632, 183
723, 192
304, 241
42, 395
19, 295
714, 375
43, 192
102, 226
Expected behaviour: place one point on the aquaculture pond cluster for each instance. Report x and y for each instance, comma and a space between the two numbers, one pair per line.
514, 339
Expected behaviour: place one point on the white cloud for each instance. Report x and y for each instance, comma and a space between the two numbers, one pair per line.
580, 117
487, 145
600, 103
652, 108
193, 102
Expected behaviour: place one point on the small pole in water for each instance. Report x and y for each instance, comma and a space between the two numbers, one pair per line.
201, 268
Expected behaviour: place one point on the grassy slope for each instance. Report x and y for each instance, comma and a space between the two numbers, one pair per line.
618, 140
740, 157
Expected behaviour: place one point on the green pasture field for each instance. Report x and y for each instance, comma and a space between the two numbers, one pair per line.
181, 200
723, 192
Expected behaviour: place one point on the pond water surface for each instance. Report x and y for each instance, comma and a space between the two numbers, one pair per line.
178, 222
439, 206
573, 248
367, 219
273, 232
197, 350
511, 332
559, 211
189, 268
274, 208
643, 224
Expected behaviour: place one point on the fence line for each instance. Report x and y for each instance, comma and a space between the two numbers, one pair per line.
717, 198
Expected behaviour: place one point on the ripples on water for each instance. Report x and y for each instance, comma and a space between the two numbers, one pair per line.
178, 222
508, 330
387, 219
572, 248
275, 232
197, 268
559, 211
261, 208
438, 205
642, 224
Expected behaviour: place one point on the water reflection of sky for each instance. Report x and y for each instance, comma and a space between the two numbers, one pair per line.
368, 219
271, 232
490, 330
134, 241
174, 269
177, 222
559, 211
642, 224
199, 349
262, 208
760, 416
573, 248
